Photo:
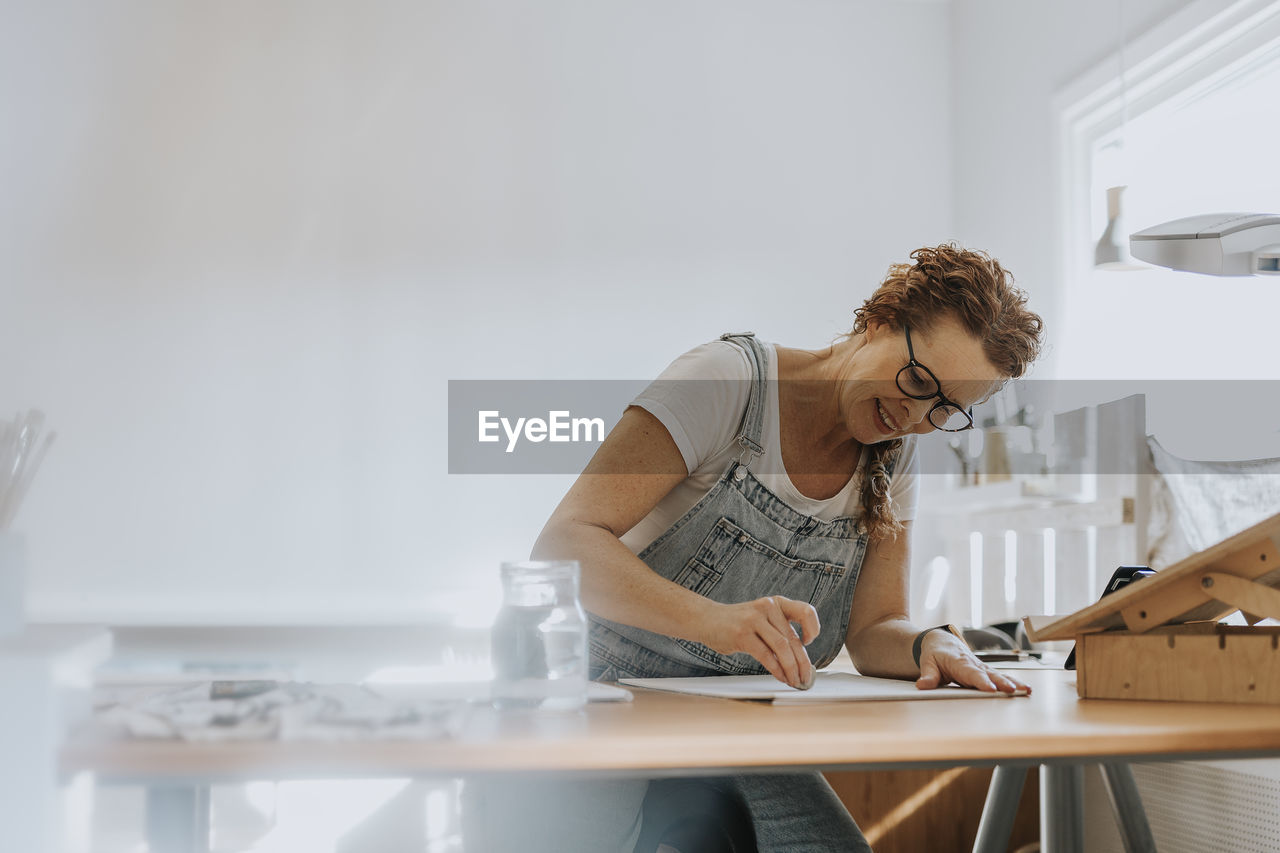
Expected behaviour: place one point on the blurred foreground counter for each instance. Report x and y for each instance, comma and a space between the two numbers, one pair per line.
47, 673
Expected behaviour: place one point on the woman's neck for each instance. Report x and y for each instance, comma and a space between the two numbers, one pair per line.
808, 385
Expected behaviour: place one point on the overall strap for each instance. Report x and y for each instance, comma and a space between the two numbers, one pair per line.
752, 426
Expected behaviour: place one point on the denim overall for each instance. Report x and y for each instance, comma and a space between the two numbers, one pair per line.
738, 543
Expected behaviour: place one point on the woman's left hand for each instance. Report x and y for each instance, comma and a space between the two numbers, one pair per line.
943, 658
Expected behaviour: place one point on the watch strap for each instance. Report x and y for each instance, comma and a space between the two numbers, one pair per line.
919, 641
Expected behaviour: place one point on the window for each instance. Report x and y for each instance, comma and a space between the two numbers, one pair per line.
1193, 129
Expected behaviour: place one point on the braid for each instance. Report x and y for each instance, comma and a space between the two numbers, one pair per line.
877, 509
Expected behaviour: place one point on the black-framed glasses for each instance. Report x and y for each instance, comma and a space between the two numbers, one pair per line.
918, 382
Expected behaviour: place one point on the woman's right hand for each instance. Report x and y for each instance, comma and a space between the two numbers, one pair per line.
762, 628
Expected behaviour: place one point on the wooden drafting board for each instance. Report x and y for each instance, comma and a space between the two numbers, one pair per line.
1239, 573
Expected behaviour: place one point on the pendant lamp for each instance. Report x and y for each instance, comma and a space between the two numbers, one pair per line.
1112, 251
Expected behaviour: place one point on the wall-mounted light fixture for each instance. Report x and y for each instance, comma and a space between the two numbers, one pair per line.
1213, 244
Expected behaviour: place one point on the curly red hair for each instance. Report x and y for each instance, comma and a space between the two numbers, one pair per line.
966, 285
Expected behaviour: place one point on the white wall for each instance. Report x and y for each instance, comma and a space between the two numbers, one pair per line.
245, 245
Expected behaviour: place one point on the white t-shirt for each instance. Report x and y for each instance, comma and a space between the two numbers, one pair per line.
703, 418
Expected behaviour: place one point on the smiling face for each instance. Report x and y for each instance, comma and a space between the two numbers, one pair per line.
872, 405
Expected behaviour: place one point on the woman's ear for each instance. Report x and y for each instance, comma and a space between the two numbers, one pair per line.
876, 328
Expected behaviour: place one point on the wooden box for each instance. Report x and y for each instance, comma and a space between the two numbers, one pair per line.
1158, 638
1199, 662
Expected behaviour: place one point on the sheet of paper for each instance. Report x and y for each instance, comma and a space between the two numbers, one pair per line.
829, 687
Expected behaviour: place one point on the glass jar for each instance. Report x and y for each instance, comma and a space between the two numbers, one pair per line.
539, 639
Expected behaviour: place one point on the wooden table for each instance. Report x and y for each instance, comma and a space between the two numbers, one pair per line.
663, 734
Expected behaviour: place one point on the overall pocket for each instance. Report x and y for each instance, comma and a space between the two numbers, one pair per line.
732, 566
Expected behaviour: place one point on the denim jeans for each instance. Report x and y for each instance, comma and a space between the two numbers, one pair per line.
792, 813
530, 815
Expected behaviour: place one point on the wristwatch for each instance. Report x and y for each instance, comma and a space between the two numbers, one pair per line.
919, 641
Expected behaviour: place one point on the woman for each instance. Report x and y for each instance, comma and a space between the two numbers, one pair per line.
727, 507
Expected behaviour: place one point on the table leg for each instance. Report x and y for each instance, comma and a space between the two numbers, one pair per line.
996, 826
178, 819
1061, 808
1131, 817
